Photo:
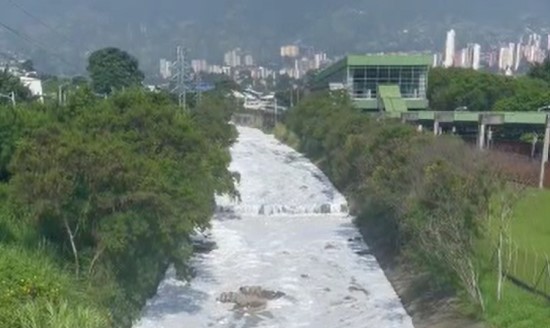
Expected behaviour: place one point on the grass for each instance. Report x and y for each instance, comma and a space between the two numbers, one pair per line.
531, 225
530, 230
517, 309
34, 289
284, 135
61, 315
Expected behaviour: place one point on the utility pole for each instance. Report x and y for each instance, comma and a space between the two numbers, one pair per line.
61, 94
545, 146
534, 145
10, 96
275, 98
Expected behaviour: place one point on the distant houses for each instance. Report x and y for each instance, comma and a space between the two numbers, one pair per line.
34, 84
254, 100
28, 78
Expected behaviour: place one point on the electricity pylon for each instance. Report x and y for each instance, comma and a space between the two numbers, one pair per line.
182, 76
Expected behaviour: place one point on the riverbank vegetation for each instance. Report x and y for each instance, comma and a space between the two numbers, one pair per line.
99, 197
434, 202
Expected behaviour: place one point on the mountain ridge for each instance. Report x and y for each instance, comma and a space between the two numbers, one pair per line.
208, 28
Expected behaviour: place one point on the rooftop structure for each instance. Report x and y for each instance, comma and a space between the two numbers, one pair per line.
381, 82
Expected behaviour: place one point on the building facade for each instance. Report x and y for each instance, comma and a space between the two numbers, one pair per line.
381, 82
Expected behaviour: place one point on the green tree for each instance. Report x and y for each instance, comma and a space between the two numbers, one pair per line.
28, 65
221, 82
428, 197
540, 70
113, 69
10, 83
117, 186
79, 81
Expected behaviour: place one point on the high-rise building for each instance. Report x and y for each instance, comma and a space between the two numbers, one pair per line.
291, 51
518, 56
476, 56
165, 68
319, 60
232, 58
464, 58
248, 60
506, 57
469, 57
436, 60
450, 48
199, 65
216, 69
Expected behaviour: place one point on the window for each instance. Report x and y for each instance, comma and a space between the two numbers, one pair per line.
412, 80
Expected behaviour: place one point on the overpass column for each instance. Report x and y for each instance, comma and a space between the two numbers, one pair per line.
442, 117
487, 119
545, 146
481, 135
436, 127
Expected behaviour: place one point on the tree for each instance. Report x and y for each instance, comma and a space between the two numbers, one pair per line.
113, 69
540, 70
118, 185
79, 81
428, 197
10, 83
28, 66
501, 216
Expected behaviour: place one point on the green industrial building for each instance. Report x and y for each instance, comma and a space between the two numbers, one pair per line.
391, 83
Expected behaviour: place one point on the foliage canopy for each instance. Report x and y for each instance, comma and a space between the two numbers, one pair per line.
115, 187
113, 69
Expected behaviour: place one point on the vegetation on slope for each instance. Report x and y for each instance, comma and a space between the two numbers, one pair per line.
98, 197
434, 199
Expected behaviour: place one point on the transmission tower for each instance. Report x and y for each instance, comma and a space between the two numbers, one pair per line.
182, 76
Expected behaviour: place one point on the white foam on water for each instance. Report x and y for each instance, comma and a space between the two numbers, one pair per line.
291, 233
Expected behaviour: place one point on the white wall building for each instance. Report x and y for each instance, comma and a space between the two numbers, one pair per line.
165, 68
450, 49
35, 85
476, 56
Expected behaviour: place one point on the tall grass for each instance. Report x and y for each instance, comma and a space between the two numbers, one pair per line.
61, 315
286, 136
35, 292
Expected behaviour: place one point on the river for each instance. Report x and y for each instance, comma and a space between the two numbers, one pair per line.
290, 233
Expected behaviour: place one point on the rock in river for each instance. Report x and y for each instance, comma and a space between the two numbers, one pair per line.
250, 298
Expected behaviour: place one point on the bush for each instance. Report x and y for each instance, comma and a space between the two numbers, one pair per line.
114, 188
282, 133
429, 196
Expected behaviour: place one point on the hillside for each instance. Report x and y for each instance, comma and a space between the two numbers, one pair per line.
151, 29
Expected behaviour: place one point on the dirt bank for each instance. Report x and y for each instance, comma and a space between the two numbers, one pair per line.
427, 308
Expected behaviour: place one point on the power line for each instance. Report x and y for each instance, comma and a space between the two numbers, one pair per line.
22, 35
18, 6
31, 41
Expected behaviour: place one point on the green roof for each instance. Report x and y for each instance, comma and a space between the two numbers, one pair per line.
376, 60
389, 60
